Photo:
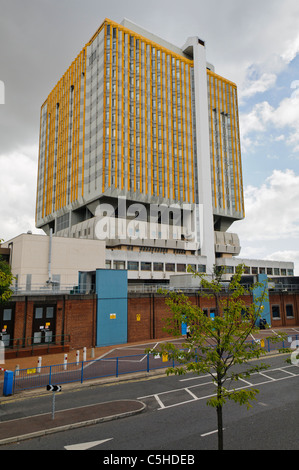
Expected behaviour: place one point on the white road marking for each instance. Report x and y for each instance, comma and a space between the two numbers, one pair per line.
159, 396
287, 371
209, 433
245, 381
267, 376
195, 378
86, 445
192, 394
158, 400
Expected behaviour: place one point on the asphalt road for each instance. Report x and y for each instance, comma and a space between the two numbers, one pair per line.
177, 418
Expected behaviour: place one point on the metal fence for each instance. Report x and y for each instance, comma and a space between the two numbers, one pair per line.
59, 374
31, 343
53, 288
25, 379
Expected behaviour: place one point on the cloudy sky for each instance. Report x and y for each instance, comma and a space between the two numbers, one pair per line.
255, 44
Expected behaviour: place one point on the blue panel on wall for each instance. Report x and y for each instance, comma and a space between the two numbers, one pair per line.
112, 298
257, 292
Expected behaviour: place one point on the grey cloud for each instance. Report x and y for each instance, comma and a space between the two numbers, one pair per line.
40, 38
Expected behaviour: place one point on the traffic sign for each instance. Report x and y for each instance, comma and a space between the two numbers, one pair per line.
54, 388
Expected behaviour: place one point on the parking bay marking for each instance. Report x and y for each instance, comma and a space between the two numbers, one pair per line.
209, 433
159, 396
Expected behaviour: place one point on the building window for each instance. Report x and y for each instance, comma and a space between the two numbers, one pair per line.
269, 271
181, 268
62, 222
254, 270
275, 312
146, 266
201, 268
119, 265
92, 57
170, 267
7, 314
158, 267
49, 312
229, 269
192, 266
108, 264
133, 265
262, 270
276, 272
38, 312
289, 311
283, 272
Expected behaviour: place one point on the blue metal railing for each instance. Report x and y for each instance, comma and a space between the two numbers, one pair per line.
59, 374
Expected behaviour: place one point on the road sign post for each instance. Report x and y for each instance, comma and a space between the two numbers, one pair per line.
54, 389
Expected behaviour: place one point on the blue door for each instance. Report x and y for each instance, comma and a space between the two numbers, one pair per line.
112, 299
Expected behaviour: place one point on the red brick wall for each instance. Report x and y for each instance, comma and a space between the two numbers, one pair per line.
283, 299
80, 321
140, 325
19, 320
146, 313
146, 317
76, 315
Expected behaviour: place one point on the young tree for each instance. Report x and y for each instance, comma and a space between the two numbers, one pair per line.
218, 346
6, 279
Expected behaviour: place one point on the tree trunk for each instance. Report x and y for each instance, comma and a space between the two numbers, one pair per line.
219, 413
220, 427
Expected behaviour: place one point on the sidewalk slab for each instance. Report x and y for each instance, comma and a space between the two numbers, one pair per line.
39, 425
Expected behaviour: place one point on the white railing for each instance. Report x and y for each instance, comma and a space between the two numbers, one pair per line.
52, 289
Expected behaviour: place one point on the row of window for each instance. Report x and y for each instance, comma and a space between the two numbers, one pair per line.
181, 267
276, 311
157, 267
261, 270
153, 75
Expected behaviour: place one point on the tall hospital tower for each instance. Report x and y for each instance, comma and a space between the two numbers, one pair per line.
140, 146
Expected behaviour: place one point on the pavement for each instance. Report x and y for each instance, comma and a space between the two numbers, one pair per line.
20, 429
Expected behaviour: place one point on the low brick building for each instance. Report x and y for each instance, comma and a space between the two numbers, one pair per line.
64, 322
56, 322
